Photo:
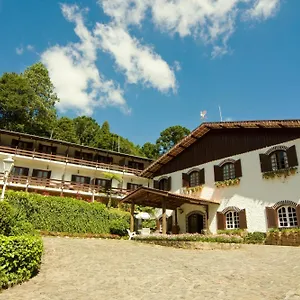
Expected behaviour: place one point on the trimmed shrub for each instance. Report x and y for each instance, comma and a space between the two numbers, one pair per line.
62, 214
240, 232
6, 215
22, 228
20, 258
255, 238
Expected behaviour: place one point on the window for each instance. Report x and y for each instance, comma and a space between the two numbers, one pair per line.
104, 159
232, 220
47, 149
102, 182
163, 184
133, 186
228, 171
22, 145
19, 171
135, 165
41, 174
81, 179
194, 179
83, 155
287, 216
279, 160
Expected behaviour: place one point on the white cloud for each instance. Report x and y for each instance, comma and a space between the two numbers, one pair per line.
212, 21
30, 47
139, 62
74, 73
263, 9
19, 50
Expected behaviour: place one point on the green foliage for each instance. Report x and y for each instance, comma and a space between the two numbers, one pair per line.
151, 223
80, 235
150, 150
239, 232
255, 238
65, 130
170, 137
60, 214
6, 215
192, 238
22, 228
20, 258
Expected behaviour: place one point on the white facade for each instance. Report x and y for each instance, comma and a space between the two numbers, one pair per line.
253, 193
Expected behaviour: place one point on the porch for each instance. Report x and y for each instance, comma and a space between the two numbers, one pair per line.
146, 196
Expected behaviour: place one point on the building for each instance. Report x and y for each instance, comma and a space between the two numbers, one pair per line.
55, 167
229, 175
223, 175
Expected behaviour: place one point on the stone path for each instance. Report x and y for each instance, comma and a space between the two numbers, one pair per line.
86, 269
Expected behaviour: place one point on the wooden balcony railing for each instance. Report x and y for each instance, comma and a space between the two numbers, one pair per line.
65, 186
66, 159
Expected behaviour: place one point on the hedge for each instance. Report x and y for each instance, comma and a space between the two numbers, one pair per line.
62, 214
20, 258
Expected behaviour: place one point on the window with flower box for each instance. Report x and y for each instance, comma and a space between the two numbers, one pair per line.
228, 169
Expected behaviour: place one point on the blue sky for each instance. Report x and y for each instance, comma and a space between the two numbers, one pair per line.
144, 65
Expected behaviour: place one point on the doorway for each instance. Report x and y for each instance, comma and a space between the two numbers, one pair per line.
195, 223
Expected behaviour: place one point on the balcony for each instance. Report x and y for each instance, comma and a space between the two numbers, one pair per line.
70, 160
60, 187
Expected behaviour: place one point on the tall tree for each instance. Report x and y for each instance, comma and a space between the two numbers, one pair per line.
171, 136
17, 104
88, 131
150, 150
44, 113
65, 130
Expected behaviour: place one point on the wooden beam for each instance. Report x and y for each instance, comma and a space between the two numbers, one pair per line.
164, 216
132, 217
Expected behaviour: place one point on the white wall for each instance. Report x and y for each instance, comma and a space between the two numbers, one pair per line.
253, 193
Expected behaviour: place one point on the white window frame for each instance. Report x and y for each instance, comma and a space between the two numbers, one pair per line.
286, 218
232, 220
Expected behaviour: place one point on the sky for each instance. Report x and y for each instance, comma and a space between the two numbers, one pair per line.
145, 65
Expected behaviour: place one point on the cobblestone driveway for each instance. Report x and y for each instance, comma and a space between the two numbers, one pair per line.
106, 269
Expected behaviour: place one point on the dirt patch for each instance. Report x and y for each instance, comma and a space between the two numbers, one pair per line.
112, 269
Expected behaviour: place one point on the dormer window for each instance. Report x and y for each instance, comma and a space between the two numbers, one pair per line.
194, 179
278, 158
228, 171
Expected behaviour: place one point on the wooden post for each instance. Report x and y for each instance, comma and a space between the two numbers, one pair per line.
176, 218
132, 217
164, 217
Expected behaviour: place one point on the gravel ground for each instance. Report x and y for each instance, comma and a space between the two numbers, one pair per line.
109, 269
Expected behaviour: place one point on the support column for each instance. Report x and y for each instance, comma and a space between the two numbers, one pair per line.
132, 217
164, 217
176, 218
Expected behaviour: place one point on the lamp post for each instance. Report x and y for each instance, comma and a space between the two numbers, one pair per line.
8, 164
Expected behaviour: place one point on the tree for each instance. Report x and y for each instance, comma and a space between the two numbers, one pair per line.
65, 130
170, 137
16, 105
150, 150
111, 177
88, 131
44, 113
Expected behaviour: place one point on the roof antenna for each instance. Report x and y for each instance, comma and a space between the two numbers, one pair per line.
220, 113
203, 114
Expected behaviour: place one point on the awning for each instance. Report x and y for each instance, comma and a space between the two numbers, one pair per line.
152, 197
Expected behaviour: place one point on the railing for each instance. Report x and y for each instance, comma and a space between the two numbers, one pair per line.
66, 159
28, 182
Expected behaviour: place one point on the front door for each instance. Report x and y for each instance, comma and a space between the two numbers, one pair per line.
195, 223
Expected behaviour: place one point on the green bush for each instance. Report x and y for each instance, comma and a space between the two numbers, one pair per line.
255, 238
62, 214
20, 258
22, 228
6, 215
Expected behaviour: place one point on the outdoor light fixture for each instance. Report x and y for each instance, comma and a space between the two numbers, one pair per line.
180, 210
8, 164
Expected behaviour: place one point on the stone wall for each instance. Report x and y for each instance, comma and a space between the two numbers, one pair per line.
283, 238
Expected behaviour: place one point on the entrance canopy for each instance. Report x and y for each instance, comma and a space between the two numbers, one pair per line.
152, 197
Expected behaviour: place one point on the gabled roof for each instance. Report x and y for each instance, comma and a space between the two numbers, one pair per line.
203, 129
